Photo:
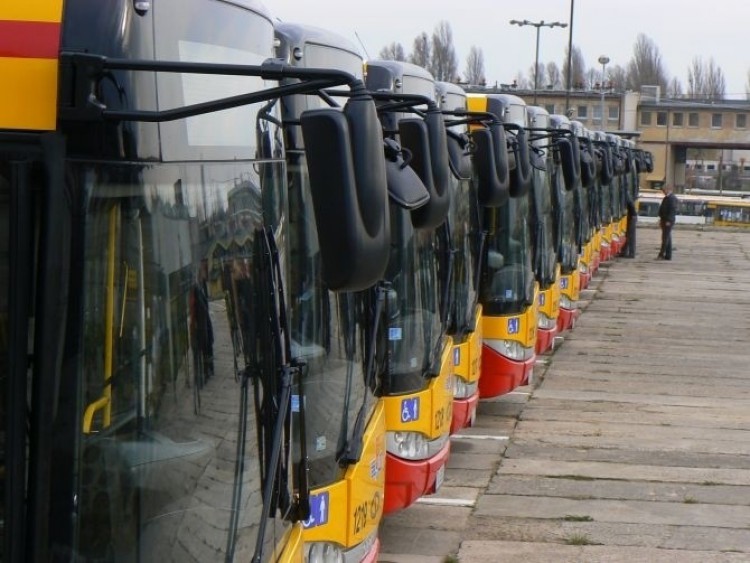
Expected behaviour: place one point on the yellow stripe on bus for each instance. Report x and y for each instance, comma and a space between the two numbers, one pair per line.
29, 99
32, 10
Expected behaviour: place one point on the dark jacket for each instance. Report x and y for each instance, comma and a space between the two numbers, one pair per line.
668, 208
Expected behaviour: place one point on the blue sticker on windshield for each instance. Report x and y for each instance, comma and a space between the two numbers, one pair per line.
395, 333
295, 403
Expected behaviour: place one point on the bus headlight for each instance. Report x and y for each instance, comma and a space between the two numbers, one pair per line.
324, 552
408, 445
510, 349
566, 302
584, 268
463, 389
545, 322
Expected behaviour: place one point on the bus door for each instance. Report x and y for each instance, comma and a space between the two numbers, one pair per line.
34, 246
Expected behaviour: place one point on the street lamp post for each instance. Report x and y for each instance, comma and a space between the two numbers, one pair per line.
603, 60
538, 25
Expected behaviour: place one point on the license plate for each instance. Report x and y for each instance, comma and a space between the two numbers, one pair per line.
439, 478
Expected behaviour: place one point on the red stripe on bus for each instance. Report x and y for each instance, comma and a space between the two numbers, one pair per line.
24, 39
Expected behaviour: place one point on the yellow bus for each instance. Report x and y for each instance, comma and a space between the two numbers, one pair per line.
345, 422
508, 290
547, 267
145, 255
569, 214
463, 313
415, 350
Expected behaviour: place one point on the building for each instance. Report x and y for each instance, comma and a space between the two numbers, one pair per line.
696, 144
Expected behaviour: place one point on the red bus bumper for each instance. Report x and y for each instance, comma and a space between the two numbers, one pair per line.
406, 481
545, 338
464, 411
501, 375
567, 319
372, 555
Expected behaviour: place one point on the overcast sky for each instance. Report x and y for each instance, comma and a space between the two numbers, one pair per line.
682, 30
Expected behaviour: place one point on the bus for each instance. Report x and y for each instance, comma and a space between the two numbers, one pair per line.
587, 230
463, 313
604, 190
508, 290
619, 190
345, 422
415, 350
547, 267
569, 225
151, 397
725, 212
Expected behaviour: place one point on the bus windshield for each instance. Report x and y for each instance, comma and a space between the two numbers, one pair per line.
169, 325
413, 326
327, 332
567, 250
507, 285
545, 256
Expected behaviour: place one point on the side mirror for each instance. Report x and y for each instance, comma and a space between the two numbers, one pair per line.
569, 161
606, 172
426, 140
520, 175
458, 156
649, 158
588, 167
349, 191
404, 186
491, 162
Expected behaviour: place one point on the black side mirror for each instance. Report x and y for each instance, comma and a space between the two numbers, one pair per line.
606, 173
520, 174
569, 161
426, 140
649, 158
458, 155
349, 190
588, 165
491, 162
405, 188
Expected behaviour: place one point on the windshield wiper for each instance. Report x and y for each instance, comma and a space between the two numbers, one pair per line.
352, 451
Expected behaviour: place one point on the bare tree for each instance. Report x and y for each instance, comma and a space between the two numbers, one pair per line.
674, 90
393, 52
594, 79
474, 73
705, 80
444, 61
646, 67
578, 73
540, 72
617, 78
421, 53
521, 83
717, 85
554, 76
747, 86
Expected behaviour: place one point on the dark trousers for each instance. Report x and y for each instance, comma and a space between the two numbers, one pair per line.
629, 250
666, 242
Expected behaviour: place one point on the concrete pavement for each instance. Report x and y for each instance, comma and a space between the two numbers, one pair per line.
633, 443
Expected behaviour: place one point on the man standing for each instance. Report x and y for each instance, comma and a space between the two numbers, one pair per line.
667, 215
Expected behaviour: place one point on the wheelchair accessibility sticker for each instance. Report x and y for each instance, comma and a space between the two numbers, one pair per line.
514, 325
410, 409
318, 511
